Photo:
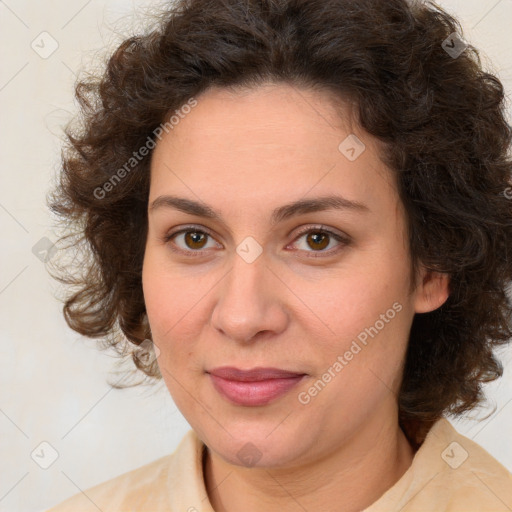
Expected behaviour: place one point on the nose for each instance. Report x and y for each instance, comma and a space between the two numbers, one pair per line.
250, 302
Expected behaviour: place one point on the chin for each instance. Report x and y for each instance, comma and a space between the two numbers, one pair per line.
258, 445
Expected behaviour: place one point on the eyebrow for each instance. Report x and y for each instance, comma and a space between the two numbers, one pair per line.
280, 214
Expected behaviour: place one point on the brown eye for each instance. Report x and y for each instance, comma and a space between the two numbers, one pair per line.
195, 239
190, 241
318, 240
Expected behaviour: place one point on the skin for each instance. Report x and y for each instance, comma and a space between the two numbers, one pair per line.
245, 153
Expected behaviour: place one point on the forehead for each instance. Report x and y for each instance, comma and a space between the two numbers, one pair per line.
270, 114
273, 139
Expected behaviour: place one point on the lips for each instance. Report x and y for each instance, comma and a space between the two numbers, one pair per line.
254, 375
255, 387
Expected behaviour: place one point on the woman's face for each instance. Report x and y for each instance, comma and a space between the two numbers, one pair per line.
260, 286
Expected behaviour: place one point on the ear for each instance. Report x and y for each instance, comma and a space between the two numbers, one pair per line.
432, 292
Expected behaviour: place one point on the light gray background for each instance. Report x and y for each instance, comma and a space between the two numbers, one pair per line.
53, 382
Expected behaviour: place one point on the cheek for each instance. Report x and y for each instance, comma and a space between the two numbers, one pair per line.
369, 314
355, 299
174, 303
167, 293
165, 302
165, 307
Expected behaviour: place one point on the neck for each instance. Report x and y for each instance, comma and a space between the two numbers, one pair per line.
353, 477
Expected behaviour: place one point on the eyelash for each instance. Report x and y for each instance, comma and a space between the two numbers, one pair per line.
344, 241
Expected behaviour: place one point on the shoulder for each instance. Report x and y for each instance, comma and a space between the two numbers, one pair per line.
146, 488
476, 479
450, 473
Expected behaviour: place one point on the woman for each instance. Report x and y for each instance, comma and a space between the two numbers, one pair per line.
297, 212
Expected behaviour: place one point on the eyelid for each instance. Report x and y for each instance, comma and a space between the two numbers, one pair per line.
324, 229
342, 238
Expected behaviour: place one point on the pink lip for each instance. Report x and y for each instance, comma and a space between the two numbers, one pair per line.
258, 386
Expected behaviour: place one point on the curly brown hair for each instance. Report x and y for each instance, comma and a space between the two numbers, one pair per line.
440, 118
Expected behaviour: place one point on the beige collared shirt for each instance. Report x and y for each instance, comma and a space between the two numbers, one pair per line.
449, 473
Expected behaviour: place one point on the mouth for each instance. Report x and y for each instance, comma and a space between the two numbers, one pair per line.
255, 387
